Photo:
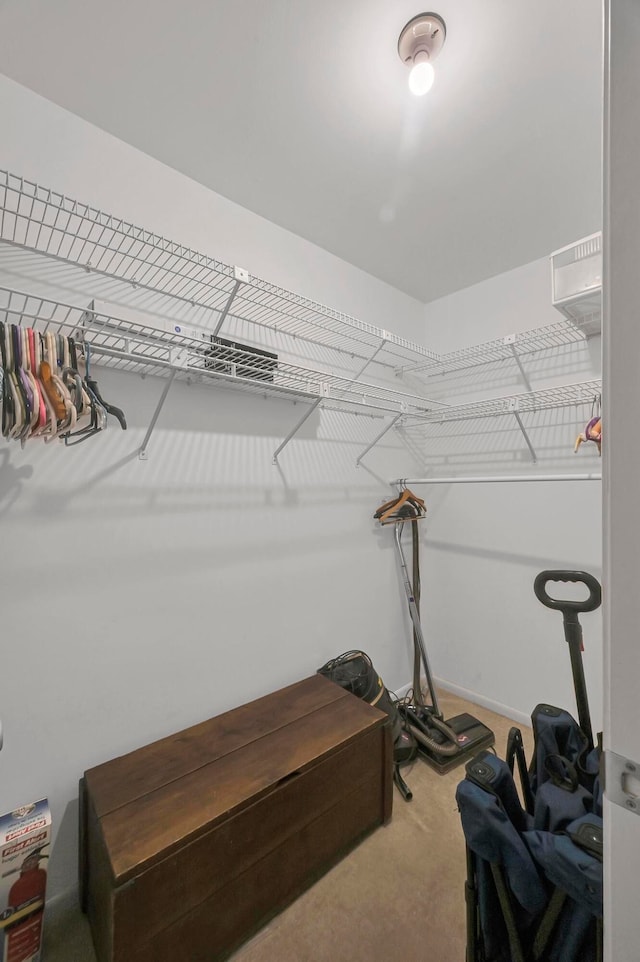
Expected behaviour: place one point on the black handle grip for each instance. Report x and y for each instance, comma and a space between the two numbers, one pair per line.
575, 577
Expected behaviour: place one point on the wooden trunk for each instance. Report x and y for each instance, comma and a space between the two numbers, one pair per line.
190, 844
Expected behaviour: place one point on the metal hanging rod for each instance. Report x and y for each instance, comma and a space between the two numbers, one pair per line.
499, 479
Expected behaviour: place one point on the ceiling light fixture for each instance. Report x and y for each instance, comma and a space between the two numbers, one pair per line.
420, 42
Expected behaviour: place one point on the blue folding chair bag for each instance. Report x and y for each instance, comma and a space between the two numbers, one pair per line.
492, 821
491, 835
568, 865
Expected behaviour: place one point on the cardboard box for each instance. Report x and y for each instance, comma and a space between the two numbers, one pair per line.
25, 836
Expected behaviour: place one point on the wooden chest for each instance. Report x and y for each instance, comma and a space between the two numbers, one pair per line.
192, 843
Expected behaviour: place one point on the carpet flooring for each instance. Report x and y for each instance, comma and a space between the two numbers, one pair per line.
398, 895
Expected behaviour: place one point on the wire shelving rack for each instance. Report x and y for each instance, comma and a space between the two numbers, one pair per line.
551, 337
46, 222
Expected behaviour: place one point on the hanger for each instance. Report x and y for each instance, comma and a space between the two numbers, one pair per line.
4, 384
92, 417
96, 414
22, 385
394, 510
27, 370
59, 395
388, 504
47, 423
52, 391
385, 511
16, 425
109, 408
403, 511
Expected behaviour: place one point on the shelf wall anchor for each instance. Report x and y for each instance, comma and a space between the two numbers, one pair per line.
142, 453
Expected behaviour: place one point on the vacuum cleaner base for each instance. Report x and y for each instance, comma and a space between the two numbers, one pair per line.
472, 735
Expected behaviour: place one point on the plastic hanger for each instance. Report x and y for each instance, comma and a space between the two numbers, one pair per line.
109, 408
3, 380
27, 371
91, 416
66, 414
47, 419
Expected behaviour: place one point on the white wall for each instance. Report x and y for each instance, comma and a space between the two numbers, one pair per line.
140, 597
483, 544
519, 300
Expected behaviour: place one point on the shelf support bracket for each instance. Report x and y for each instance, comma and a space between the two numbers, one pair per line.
241, 277
384, 431
369, 360
295, 429
510, 340
142, 453
414, 451
514, 407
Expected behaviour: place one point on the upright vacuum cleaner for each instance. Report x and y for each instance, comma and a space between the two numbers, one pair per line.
443, 744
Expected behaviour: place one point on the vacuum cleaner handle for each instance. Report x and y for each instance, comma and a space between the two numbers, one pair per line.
575, 577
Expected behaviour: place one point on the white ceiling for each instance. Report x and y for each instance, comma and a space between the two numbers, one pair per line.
299, 110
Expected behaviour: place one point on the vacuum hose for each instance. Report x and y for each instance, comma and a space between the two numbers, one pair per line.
420, 735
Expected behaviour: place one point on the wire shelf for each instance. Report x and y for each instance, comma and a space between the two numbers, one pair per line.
564, 395
135, 346
551, 337
45, 222
50, 223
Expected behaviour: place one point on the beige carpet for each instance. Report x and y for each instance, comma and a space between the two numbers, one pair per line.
399, 895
